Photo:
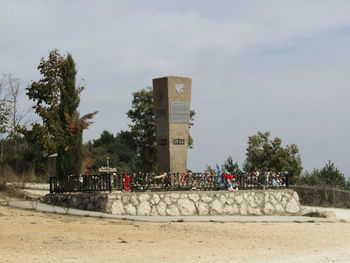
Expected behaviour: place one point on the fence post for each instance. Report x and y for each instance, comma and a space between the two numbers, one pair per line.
50, 185
172, 181
110, 182
287, 180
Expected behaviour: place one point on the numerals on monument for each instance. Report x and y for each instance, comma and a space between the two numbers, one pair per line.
179, 141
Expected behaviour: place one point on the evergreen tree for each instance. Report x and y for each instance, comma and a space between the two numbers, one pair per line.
69, 149
311, 178
119, 149
231, 166
332, 176
329, 176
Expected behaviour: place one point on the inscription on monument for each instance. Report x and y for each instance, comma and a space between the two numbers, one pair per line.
180, 112
179, 141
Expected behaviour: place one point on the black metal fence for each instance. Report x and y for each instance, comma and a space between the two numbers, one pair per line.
91, 183
167, 182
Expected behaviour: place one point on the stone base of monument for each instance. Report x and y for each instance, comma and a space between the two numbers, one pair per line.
191, 203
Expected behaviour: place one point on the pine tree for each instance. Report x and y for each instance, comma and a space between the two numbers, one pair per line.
231, 166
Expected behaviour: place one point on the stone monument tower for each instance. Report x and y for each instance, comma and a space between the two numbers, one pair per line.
172, 97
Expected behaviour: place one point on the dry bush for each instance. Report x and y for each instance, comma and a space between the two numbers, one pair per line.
8, 175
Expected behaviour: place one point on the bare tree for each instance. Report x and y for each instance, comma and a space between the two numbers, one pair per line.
11, 86
10, 115
4, 104
4, 112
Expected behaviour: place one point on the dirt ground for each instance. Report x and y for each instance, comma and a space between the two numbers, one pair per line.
30, 236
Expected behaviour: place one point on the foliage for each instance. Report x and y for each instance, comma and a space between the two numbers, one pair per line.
332, 176
329, 176
9, 92
265, 154
57, 98
119, 149
13, 158
46, 91
247, 166
231, 166
209, 169
311, 178
190, 139
4, 113
347, 185
46, 94
12, 146
143, 130
39, 146
69, 149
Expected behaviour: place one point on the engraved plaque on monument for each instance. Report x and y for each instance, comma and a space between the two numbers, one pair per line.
172, 97
180, 112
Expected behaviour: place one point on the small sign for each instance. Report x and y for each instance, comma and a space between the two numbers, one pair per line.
179, 141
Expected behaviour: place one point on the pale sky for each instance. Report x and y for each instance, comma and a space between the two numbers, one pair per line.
278, 66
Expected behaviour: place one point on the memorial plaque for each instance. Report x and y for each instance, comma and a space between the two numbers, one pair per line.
180, 112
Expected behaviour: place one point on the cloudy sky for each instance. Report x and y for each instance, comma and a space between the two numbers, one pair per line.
278, 66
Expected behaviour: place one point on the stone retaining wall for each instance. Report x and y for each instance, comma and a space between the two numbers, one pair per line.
326, 197
258, 202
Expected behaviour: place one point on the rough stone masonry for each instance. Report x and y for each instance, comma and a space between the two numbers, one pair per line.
248, 202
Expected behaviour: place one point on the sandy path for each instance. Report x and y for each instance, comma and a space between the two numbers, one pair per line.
28, 236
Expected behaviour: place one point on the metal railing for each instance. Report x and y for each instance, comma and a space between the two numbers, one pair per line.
166, 182
91, 183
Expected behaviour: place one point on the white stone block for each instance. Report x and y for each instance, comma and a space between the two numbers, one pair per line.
268, 209
143, 208
143, 197
216, 207
173, 211
292, 206
117, 208
203, 208
186, 207
130, 210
